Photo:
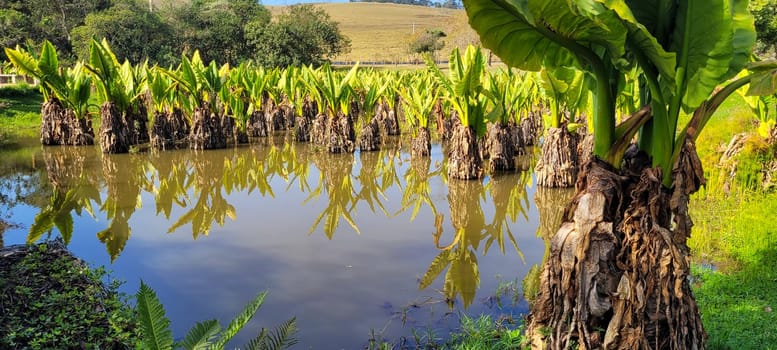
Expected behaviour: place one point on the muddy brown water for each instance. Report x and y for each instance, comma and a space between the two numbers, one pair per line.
355, 246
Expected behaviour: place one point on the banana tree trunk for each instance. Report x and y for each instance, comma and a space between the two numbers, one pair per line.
52, 127
302, 129
617, 273
557, 166
207, 131
464, 160
115, 135
369, 138
179, 125
499, 148
138, 124
318, 131
390, 122
421, 146
340, 134
161, 131
257, 125
531, 128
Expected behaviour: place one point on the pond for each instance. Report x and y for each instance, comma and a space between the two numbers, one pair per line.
354, 246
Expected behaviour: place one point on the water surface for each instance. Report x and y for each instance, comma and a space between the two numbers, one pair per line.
352, 245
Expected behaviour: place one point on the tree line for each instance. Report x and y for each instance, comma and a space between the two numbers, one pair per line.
227, 31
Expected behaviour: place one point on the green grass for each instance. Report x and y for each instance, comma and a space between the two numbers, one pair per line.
735, 233
737, 305
19, 110
49, 299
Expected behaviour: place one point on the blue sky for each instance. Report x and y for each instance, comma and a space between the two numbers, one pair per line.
292, 2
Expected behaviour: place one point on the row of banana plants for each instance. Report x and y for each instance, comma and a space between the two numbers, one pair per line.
484, 115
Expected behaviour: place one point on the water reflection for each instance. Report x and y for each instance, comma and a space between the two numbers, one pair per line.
386, 226
197, 189
470, 229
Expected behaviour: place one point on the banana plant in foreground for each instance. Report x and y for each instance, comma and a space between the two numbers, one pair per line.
683, 51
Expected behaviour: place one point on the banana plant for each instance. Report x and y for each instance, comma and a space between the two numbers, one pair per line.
683, 50
333, 93
69, 87
463, 86
566, 90
119, 87
418, 99
157, 335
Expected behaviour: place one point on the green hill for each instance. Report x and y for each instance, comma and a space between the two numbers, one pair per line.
382, 31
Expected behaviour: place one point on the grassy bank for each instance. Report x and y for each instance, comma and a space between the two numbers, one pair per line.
734, 242
19, 110
49, 299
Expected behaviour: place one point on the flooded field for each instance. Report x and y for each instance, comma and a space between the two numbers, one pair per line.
355, 246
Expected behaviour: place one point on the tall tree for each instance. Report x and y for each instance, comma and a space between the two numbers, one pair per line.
38, 20
302, 35
132, 30
217, 28
765, 13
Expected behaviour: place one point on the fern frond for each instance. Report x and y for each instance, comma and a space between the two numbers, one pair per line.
201, 336
240, 320
282, 337
155, 326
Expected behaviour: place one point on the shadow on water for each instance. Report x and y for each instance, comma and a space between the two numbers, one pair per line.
342, 196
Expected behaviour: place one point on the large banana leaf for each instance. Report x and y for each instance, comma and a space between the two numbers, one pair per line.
534, 34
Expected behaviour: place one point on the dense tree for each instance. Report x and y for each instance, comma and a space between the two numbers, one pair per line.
303, 35
765, 13
217, 27
36, 20
132, 30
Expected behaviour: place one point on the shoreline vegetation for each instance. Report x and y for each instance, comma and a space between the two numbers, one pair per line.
734, 247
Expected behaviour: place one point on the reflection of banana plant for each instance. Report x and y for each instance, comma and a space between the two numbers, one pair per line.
335, 178
59, 212
173, 182
467, 217
370, 190
417, 191
122, 199
510, 202
210, 206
